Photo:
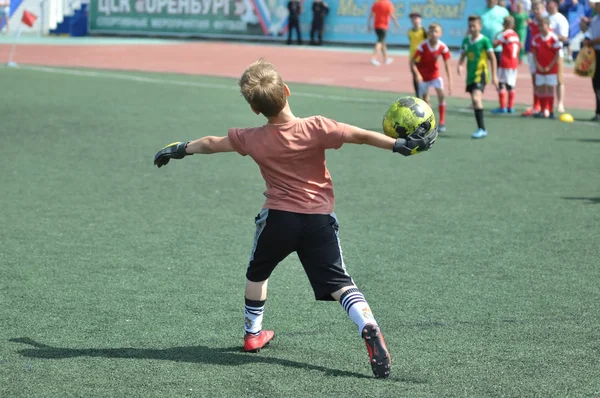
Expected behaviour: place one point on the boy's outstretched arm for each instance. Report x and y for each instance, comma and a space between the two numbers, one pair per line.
406, 147
204, 145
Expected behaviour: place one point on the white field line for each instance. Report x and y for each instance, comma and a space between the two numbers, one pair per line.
152, 80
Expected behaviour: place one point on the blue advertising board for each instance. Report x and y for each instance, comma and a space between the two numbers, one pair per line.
267, 19
347, 20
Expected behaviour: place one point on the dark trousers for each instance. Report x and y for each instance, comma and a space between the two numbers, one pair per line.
498, 55
596, 82
294, 24
317, 30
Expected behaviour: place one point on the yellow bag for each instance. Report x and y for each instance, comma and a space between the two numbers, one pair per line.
585, 63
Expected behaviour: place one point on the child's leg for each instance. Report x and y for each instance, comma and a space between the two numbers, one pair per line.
502, 96
386, 59
536, 100
540, 92
255, 298
355, 305
320, 253
423, 91
550, 98
357, 308
478, 108
510, 83
537, 105
275, 238
511, 97
415, 82
377, 48
441, 107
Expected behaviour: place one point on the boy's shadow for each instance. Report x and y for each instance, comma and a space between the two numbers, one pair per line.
231, 356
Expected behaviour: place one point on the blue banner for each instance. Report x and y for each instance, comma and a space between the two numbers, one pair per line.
347, 19
268, 19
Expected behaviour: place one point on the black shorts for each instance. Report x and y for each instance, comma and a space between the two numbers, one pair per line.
478, 86
314, 238
475, 86
380, 35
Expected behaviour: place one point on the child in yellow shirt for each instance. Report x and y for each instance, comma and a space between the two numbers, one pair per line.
416, 35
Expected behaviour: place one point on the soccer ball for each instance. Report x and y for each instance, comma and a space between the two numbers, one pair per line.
409, 116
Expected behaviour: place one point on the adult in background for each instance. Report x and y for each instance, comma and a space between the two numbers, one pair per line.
521, 17
574, 11
592, 36
320, 10
492, 23
560, 27
295, 10
381, 13
4, 14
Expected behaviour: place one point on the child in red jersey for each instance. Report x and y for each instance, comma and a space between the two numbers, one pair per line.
546, 50
425, 69
538, 9
297, 215
509, 62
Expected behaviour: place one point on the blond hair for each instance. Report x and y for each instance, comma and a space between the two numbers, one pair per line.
536, 3
545, 21
509, 21
435, 25
262, 87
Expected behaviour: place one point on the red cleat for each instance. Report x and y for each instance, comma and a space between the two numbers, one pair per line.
529, 112
255, 342
379, 357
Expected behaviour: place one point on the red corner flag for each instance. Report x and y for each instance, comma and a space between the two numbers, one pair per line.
28, 18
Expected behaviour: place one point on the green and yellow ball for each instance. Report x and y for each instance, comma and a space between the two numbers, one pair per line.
408, 115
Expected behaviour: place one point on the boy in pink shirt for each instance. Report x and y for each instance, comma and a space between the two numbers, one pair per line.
298, 212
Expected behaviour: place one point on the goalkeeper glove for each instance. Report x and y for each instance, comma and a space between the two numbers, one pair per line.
414, 145
176, 150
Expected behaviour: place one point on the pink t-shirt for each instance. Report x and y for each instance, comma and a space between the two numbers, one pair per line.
291, 158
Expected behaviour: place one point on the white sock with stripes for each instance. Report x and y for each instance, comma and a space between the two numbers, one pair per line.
357, 308
253, 316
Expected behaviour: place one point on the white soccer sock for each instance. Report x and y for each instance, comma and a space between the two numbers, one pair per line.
357, 308
253, 316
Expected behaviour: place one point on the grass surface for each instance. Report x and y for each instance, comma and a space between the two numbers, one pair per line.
479, 258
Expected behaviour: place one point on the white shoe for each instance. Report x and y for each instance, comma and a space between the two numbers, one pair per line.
480, 134
389, 61
375, 62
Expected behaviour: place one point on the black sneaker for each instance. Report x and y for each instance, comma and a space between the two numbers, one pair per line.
596, 118
379, 357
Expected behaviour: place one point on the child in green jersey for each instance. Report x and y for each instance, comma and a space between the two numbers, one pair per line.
478, 51
521, 20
